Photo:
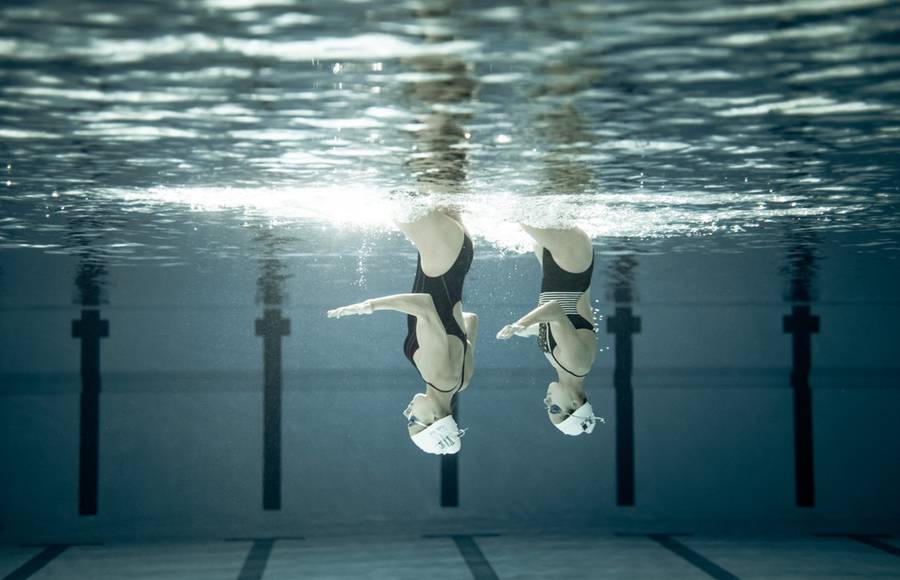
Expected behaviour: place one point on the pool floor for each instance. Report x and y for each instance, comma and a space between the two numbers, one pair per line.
482, 557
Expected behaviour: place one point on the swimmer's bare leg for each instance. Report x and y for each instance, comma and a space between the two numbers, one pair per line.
438, 238
571, 247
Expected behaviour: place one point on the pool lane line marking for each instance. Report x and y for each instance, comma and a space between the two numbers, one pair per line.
711, 568
37, 562
273, 538
449, 480
624, 325
874, 542
801, 324
257, 558
478, 565
90, 328
272, 328
646, 534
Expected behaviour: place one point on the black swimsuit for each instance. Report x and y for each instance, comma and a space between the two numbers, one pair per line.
446, 291
566, 288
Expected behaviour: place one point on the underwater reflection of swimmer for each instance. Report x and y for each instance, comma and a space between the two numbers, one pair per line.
440, 339
563, 323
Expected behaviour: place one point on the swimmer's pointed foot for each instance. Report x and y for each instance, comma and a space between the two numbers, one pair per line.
351, 310
509, 330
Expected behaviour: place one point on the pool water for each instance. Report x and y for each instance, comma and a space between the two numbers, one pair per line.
188, 186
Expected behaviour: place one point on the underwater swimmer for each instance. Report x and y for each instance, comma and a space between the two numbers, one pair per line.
564, 324
440, 340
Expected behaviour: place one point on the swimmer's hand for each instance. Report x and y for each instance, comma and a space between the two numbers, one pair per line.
509, 330
360, 308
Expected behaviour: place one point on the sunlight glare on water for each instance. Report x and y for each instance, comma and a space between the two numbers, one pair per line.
494, 217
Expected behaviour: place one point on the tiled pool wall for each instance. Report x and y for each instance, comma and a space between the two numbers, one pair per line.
182, 451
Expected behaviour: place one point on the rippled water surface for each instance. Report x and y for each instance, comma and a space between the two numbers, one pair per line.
137, 124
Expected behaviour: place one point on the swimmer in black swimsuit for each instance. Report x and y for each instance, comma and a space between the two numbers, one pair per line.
564, 323
440, 339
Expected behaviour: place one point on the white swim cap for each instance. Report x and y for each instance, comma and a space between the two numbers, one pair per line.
582, 420
441, 437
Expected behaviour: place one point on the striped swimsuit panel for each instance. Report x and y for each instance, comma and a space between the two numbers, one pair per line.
566, 288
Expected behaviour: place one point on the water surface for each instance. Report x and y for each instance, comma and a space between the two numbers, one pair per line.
134, 128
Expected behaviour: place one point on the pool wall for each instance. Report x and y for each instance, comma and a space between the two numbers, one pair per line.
181, 408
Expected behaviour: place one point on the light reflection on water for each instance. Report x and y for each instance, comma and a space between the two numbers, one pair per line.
649, 120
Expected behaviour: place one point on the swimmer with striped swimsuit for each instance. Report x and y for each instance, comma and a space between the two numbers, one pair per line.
563, 320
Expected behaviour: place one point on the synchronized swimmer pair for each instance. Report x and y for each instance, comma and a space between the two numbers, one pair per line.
441, 337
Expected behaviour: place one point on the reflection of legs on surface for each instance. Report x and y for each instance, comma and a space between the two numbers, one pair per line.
571, 247
438, 238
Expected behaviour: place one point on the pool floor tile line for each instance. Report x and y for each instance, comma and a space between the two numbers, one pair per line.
704, 564
37, 562
648, 534
874, 542
478, 565
259, 538
257, 558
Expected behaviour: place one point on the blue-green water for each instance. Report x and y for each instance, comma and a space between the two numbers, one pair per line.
178, 174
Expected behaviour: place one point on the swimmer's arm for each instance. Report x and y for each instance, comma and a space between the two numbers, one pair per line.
549, 312
432, 336
418, 305
415, 304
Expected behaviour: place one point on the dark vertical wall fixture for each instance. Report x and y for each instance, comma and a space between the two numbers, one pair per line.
801, 324
805, 157
90, 328
623, 324
271, 327
450, 471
